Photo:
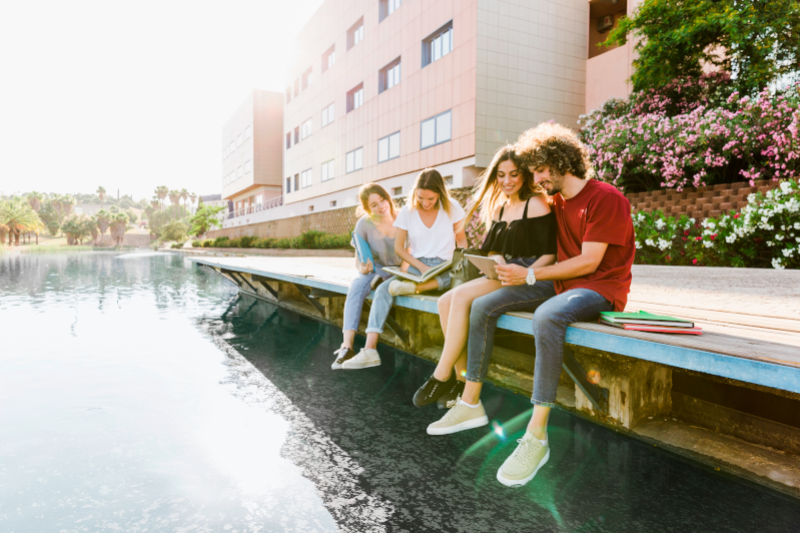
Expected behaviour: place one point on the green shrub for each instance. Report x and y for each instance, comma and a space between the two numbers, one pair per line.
266, 243
207, 243
197, 244
176, 245
248, 241
221, 242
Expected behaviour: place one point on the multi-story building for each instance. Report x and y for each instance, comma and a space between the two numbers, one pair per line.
381, 89
384, 88
252, 159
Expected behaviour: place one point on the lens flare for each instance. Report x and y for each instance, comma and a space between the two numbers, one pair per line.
498, 429
463, 373
593, 376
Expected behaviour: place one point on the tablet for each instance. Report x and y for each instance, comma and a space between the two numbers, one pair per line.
484, 264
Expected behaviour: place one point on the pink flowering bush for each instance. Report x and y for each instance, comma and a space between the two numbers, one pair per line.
475, 230
694, 133
766, 233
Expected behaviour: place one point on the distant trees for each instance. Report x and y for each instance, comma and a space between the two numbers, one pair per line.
101, 193
205, 218
17, 217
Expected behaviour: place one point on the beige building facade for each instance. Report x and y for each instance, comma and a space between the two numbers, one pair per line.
381, 89
252, 159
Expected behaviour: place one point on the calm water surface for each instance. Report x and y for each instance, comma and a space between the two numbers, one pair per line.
139, 393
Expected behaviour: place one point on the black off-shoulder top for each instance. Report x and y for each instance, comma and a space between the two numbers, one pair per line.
526, 237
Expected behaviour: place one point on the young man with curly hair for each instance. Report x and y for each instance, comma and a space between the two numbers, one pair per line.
593, 274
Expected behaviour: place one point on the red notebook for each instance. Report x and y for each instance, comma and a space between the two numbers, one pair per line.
656, 329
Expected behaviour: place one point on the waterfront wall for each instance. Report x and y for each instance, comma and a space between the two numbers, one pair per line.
699, 203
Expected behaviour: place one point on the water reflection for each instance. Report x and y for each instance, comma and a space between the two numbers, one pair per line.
140, 393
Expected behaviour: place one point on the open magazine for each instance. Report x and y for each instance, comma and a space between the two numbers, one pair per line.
429, 274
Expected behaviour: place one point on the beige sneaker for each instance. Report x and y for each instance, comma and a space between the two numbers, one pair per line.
366, 358
527, 459
400, 288
459, 418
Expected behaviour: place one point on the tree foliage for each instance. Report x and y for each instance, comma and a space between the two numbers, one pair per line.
206, 218
757, 41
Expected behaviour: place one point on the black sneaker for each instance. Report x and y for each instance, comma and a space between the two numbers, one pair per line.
456, 390
432, 389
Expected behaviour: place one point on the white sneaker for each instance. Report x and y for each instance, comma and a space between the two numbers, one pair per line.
527, 459
459, 418
400, 288
366, 358
342, 354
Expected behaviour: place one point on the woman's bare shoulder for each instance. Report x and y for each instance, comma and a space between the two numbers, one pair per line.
538, 206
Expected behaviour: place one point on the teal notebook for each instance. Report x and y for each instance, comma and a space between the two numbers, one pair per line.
642, 317
362, 249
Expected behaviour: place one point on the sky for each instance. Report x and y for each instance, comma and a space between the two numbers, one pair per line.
132, 95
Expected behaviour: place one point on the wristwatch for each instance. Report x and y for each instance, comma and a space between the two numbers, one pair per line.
531, 279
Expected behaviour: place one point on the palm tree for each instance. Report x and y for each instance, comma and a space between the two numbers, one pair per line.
184, 195
35, 201
103, 218
16, 217
174, 197
193, 198
161, 192
101, 192
120, 224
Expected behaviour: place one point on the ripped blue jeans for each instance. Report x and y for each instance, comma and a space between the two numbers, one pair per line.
551, 315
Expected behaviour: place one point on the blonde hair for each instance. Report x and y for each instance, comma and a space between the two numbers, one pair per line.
430, 180
367, 190
488, 195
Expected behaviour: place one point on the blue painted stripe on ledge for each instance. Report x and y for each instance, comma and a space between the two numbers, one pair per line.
747, 370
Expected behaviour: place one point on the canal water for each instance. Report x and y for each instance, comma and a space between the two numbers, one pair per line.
140, 393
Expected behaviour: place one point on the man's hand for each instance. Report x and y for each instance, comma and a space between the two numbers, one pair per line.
366, 268
512, 274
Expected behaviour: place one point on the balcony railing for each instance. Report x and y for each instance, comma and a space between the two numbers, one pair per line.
252, 209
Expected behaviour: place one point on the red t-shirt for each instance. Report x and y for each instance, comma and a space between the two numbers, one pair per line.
599, 213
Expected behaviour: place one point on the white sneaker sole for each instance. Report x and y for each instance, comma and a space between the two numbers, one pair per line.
335, 366
463, 426
358, 366
519, 482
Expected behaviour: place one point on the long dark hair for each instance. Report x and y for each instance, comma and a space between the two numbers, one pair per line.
487, 194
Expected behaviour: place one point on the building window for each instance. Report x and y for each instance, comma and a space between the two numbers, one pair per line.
239, 172
247, 132
297, 135
311, 209
327, 115
333, 203
296, 181
297, 86
397, 191
305, 129
355, 34
389, 147
239, 139
438, 44
389, 76
355, 160
328, 170
386, 8
306, 79
288, 94
288, 140
328, 58
305, 178
448, 181
248, 166
435, 130
355, 97
288, 185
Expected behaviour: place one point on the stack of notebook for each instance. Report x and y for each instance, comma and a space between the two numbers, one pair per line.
644, 321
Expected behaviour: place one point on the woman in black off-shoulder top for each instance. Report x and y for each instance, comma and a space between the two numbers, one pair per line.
522, 230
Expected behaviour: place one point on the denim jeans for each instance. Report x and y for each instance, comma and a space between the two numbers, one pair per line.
382, 301
551, 316
356, 294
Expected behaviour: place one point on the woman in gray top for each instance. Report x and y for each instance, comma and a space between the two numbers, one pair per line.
376, 227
